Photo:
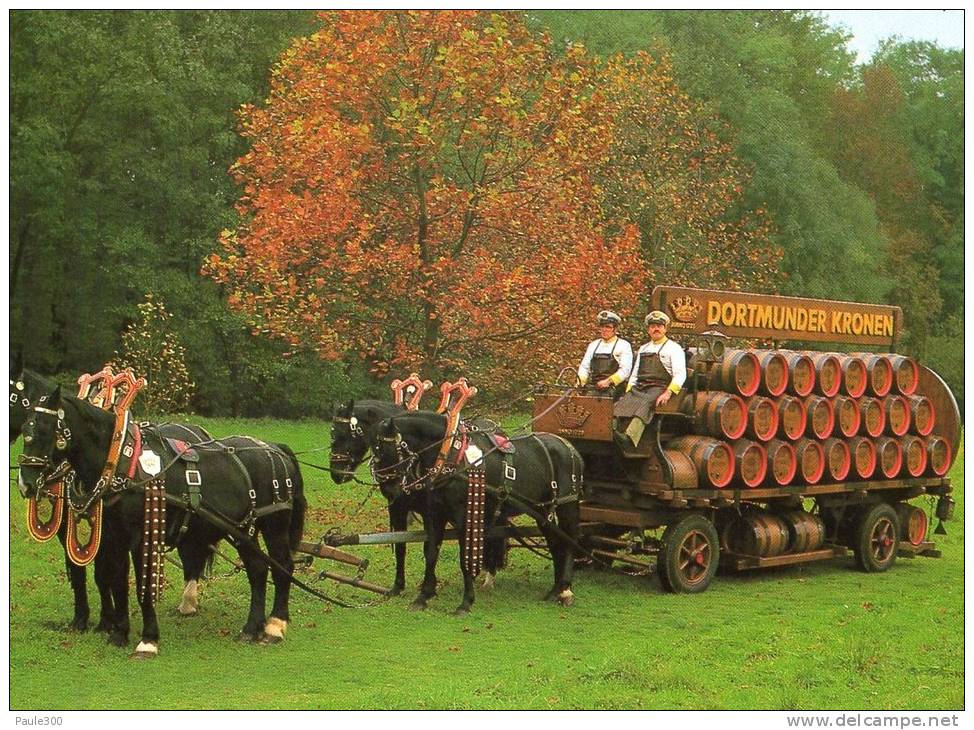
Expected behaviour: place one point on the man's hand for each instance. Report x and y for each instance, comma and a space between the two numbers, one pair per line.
604, 383
664, 398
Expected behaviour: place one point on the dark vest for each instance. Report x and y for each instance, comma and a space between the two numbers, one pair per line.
651, 371
603, 364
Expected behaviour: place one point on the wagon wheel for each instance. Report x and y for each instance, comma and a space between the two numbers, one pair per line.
689, 555
876, 538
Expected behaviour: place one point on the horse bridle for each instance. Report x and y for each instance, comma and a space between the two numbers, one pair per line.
406, 456
50, 474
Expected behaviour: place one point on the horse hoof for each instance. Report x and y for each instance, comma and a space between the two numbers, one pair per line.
395, 591
104, 626
246, 637
566, 598
461, 611
119, 640
269, 640
145, 650
186, 612
417, 606
78, 625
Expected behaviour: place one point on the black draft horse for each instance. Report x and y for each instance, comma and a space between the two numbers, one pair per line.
27, 390
546, 480
352, 433
235, 486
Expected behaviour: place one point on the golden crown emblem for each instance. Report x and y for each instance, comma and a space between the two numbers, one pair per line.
685, 309
572, 415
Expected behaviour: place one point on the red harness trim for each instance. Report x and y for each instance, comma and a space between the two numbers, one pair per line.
464, 439
136, 450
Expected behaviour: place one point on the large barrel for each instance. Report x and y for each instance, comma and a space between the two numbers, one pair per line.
759, 533
806, 531
863, 457
738, 372
774, 372
889, 456
801, 373
811, 460
906, 374
838, 459
880, 373
828, 373
762, 418
922, 414
854, 375
684, 470
751, 462
914, 456
723, 415
913, 523
821, 417
792, 417
848, 417
873, 417
938, 455
897, 411
782, 462
713, 459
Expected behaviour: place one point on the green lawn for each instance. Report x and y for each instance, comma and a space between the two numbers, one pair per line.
823, 636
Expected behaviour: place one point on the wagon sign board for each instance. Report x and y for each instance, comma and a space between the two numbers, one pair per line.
767, 316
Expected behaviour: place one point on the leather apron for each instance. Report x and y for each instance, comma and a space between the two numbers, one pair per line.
652, 379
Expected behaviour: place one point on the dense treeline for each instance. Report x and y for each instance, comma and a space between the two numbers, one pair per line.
123, 127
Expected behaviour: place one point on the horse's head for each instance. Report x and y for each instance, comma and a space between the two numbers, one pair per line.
25, 390
349, 443
393, 459
47, 439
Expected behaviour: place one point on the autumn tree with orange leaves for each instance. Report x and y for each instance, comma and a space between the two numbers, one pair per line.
440, 190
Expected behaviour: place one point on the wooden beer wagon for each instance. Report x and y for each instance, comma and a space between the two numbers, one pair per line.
767, 457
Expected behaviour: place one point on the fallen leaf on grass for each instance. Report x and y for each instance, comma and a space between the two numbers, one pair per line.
454, 648
868, 606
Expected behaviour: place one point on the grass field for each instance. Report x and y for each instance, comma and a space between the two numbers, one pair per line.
822, 636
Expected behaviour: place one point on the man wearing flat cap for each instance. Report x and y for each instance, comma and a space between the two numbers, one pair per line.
608, 360
657, 375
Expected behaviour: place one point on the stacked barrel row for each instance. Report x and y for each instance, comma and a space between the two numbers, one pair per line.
779, 417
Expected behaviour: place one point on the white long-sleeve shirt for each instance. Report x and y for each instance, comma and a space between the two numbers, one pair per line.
620, 350
672, 357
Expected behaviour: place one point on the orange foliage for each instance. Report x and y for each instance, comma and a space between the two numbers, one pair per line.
428, 189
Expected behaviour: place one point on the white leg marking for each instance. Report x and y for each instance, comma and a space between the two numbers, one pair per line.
487, 580
146, 647
275, 628
190, 601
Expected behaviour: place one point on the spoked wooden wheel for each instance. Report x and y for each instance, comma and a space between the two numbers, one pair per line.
688, 556
876, 539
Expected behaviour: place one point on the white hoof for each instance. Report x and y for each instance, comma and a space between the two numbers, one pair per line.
275, 628
566, 597
146, 650
487, 581
190, 602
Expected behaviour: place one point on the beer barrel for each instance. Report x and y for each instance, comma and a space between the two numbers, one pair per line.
897, 411
738, 372
914, 456
938, 455
828, 373
774, 372
751, 462
811, 460
719, 414
913, 523
792, 418
760, 533
782, 462
873, 416
854, 375
848, 417
684, 470
838, 459
713, 459
863, 457
880, 373
807, 531
922, 414
801, 373
762, 418
821, 417
889, 456
906, 374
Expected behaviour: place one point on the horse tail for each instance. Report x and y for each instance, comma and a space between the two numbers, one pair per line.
300, 504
